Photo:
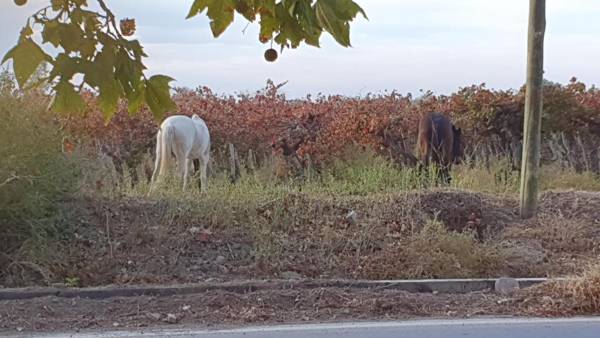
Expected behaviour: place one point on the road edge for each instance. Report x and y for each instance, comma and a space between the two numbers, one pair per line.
414, 286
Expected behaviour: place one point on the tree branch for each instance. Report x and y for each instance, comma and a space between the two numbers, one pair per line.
111, 18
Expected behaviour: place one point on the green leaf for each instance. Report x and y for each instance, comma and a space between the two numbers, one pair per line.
197, 7
135, 99
313, 39
268, 25
158, 96
57, 5
346, 10
265, 7
71, 37
291, 6
90, 22
102, 69
127, 71
77, 16
51, 33
135, 47
26, 56
334, 15
246, 8
221, 13
66, 99
26, 32
80, 3
308, 21
110, 92
87, 47
289, 29
66, 67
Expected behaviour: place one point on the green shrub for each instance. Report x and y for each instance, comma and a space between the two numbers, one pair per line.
35, 177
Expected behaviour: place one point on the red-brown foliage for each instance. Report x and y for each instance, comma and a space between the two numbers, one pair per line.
323, 127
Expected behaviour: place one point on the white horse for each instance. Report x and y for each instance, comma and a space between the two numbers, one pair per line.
189, 140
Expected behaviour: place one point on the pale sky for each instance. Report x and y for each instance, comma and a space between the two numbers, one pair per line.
406, 45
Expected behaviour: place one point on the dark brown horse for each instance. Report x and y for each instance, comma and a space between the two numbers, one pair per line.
439, 143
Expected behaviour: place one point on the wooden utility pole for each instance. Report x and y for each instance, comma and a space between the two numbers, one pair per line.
533, 109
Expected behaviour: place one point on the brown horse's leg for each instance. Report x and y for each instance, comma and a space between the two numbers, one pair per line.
118, 164
422, 167
445, 175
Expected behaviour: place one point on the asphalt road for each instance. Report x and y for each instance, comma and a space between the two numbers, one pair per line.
485, 328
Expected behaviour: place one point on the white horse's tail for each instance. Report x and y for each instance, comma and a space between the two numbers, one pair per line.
166, 141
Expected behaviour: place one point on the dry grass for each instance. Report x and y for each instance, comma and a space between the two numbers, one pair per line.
496, 177
179, 238
557, 178
583, 290
265, 226
577, 295
435, 252
499, 178
558, 234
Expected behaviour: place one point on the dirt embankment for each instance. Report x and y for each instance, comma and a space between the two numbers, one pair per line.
388, 236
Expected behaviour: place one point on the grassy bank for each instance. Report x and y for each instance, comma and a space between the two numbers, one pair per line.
35, 177
66, 217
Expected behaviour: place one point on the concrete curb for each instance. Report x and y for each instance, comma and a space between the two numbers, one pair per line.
414, 286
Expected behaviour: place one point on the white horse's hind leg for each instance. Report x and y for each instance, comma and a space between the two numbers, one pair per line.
156, 163
203, 177
186, 171
203, 173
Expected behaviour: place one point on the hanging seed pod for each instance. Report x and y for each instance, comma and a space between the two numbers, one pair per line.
271, 55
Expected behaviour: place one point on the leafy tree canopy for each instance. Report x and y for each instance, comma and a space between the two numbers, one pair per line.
93, 51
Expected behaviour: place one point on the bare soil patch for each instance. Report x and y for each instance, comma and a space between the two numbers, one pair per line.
135, 241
